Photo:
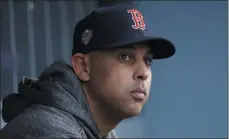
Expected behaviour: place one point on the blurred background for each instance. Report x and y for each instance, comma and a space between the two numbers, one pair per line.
189, 91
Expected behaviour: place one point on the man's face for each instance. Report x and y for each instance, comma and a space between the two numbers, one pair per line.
120, 79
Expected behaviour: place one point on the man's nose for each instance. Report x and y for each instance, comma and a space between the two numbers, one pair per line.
142, 71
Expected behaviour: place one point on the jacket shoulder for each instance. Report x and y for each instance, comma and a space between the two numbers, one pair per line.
43, 121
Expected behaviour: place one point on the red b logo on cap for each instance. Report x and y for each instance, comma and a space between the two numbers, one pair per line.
138, 19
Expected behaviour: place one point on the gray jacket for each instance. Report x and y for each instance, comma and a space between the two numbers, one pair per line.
52, 106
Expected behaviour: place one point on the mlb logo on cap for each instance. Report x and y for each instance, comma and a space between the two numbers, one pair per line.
86, 36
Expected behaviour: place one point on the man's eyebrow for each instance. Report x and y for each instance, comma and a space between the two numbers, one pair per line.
135, 47
149, 54
128, 47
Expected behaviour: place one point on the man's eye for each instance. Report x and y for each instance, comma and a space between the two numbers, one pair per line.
148, 61
125, 57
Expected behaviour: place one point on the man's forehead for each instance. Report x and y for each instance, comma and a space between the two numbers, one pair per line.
137, 46
144, 46
141, 46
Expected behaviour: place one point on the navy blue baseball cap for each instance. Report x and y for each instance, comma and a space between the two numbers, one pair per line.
117, 26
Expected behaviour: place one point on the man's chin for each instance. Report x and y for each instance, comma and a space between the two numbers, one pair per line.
132, 112
128, 111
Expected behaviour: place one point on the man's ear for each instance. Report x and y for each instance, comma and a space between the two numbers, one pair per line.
80, 65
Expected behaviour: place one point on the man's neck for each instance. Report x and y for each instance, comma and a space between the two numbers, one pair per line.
104, 122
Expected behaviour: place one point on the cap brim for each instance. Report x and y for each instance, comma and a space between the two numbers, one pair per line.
161, 47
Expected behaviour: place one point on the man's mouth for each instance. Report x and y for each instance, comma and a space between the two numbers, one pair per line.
138, 94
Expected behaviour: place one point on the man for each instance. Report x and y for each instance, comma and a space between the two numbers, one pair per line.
108, 81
